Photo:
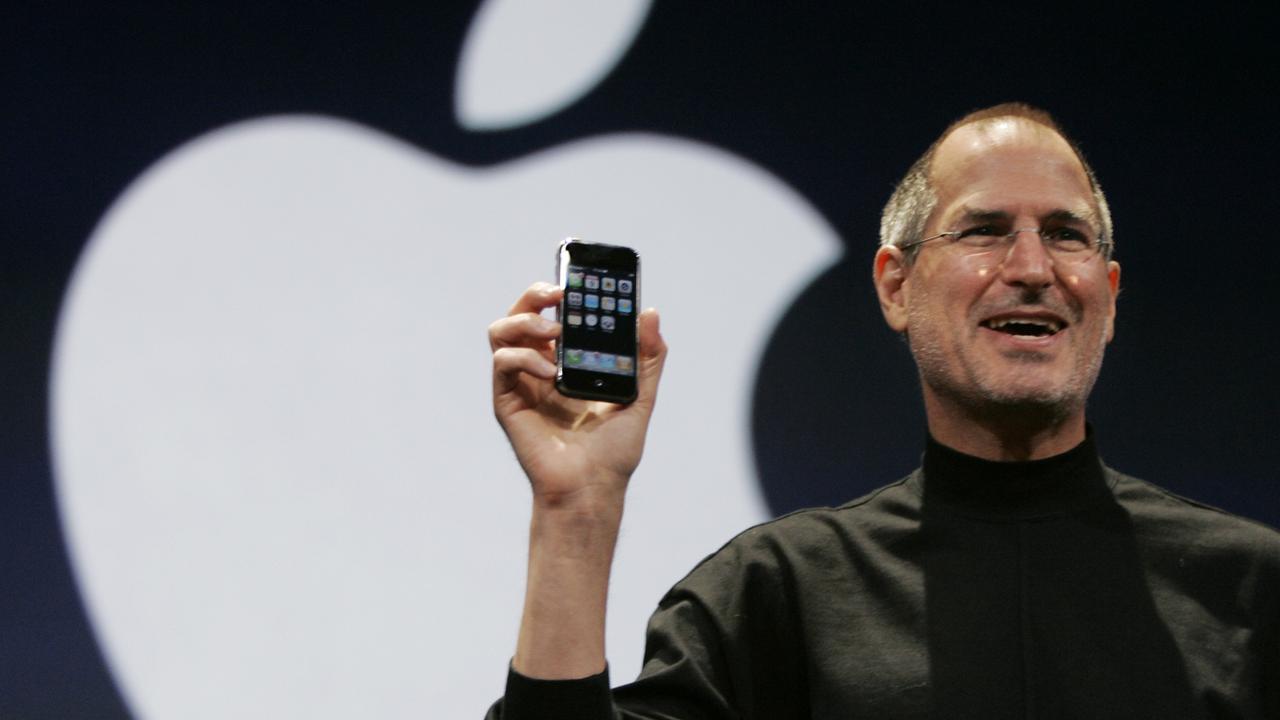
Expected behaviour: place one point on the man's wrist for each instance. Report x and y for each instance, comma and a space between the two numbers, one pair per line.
575, 533
602, 500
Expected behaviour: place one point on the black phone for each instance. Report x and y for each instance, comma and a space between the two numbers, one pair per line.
596, 354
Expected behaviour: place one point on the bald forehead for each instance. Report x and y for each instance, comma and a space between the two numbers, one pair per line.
1009, 165
985, 140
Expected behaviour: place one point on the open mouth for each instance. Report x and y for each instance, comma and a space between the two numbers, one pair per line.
1024, 326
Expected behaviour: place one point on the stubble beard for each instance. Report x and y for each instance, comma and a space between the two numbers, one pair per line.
1018, 400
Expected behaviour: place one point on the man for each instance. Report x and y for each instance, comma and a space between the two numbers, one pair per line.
1013, 575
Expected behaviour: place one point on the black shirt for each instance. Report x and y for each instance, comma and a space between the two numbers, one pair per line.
1055, 588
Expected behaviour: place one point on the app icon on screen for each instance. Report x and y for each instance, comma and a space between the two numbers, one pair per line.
606, 361
623, 363
606, 322
593, 301
575, 279
572, 357
592, 320
606, 303
593, 282
575, 319
575, 298
591, 360
624, 305
608, 284
624, 287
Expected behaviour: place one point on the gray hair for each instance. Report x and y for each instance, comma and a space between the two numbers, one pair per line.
914, 199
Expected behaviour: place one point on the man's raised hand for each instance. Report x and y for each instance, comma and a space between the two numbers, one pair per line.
574, 451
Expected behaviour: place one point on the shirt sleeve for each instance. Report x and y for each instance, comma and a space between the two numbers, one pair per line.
722, 644
528, 698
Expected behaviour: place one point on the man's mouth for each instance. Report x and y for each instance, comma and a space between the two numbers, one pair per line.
1033, 327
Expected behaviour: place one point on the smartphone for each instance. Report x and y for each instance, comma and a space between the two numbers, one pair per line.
596, 353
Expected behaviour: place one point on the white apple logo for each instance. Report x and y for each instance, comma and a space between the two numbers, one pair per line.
278, 472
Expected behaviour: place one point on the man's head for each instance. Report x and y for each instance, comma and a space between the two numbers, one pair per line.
915, 198
1017, 329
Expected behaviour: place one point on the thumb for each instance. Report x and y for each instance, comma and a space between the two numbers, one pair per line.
653, 355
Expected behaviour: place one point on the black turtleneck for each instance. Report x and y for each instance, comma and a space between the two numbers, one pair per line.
1054, 588
1013, 490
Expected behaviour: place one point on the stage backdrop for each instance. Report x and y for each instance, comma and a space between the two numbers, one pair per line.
250, 468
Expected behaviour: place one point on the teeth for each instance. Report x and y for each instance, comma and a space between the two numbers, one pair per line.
1052, 326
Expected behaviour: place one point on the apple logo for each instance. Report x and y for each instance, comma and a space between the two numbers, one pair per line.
276, 464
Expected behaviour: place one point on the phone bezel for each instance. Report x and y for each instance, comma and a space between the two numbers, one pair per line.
586, 384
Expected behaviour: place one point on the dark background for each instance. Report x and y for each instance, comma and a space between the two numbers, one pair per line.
1175, 109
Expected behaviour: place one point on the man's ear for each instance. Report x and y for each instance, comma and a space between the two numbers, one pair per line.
1113, 281
890, 277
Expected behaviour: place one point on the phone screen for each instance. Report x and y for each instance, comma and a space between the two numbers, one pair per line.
597, 346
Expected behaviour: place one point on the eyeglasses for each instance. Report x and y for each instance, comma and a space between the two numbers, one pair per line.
1064, 244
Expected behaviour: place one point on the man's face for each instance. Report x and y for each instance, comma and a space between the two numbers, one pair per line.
1027, 330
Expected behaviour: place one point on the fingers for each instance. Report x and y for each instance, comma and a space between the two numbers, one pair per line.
653, 355
509, 362
523, 330
539, 296
523, 325
521, 342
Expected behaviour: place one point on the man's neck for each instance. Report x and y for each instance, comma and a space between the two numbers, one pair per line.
1005, 433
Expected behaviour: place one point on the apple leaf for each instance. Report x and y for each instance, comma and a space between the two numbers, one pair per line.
524, 60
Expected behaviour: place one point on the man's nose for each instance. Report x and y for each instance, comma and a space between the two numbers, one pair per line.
1027, 261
